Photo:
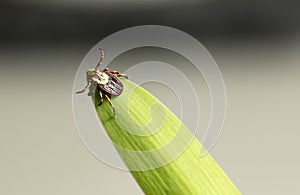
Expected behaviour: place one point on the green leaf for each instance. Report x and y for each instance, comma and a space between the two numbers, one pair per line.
160, 152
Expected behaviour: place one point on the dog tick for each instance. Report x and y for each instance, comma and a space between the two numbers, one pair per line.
107, 82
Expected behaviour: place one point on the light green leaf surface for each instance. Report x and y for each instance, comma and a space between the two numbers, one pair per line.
161, 153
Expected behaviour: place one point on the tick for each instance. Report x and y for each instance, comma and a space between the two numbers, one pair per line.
107, 82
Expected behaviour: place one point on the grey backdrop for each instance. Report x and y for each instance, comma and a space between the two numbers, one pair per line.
255, 44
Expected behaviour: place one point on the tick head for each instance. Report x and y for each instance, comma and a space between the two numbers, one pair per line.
90, 74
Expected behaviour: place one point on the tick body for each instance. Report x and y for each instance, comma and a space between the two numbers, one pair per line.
107, 82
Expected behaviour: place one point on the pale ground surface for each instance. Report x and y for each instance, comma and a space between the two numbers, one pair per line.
41, 152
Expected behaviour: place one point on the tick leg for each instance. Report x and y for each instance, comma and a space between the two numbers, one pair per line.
118, 74
101, 98
115, 72
101, 58
111, 104
105, 69
85, 88
122, 75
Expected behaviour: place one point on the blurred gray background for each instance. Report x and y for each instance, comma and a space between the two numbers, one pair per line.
255, 43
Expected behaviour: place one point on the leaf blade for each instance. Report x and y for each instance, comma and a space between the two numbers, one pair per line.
161, 153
